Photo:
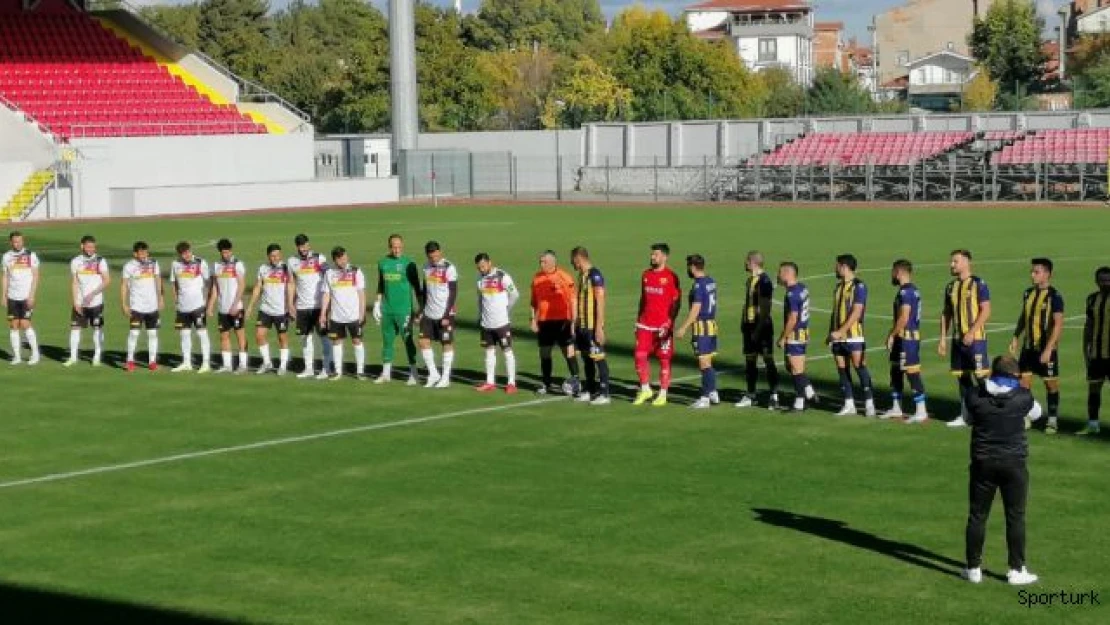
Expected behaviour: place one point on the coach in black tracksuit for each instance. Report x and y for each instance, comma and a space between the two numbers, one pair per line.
997, 412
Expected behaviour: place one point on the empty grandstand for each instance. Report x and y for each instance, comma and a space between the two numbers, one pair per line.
101, 114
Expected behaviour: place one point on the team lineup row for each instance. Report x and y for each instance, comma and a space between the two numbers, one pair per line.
328, 298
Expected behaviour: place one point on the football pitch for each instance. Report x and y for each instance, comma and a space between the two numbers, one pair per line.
182, 498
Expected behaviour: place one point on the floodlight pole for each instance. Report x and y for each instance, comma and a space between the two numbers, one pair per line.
402, 76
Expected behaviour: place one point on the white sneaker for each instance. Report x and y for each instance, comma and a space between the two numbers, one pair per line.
869, 408
799, 405
225, 370
265, 368
282, 371
443, 382
381, 379
974, 575
185, 366
323, 375
96, 362
335, 377
306, 374
917, 418
601, 400
849, 410
1021, 578
242, 370
701, 403
745, 402
431, 382
358, 376
412, 381
893, 413
958, 422
34, 360
583, 397
714, 398
70, 362
205, 368
15, 362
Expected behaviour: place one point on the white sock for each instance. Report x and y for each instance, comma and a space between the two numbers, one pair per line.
98, 343
491, 365
360, 358
186, 347
510, 366
645, 388
132, 343
17, 346
226, 356
152, 345
264, 351
337, 358
387, 370
810, 393
205, 347
308, 352
429, 357
244, 359
448, 360
326, 349
33, 341
283, 357
75, 342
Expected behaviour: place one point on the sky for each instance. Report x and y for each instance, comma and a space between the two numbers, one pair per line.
856, 14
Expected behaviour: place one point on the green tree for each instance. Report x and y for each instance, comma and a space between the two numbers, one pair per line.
521, 82
453, 92
1092, 87
785, 97
236, 32
590, 94
674, 75
980, 92
837, 93
557, 24
1007, 42
182, 22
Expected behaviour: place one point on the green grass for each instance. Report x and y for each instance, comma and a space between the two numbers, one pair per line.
543, 512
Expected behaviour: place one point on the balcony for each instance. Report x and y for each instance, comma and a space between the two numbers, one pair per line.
780, 25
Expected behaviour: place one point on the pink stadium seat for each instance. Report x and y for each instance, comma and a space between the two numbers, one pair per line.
79, 79
855, 149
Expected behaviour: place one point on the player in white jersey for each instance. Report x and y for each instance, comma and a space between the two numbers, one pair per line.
190, 277
306, 294
20, 285
229, 277
140, 294
90, 278
497, 294
344, 311
271, 288
437, 315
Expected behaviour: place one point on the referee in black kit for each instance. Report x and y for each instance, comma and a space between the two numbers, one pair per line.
996, 413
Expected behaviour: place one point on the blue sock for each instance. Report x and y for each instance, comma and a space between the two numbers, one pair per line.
845, 383
708, 381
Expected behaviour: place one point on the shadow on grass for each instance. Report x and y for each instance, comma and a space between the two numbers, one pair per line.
24, 604
839, 531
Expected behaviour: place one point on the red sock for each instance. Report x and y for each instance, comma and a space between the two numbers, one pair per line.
642, 368
664, 373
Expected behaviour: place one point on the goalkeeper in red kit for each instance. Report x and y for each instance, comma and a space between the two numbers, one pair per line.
660, 299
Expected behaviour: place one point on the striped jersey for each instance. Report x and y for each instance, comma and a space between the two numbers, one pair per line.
1037, 308
846, 295
587, 297
909, 295
1098, 325
796, 301
963, 300
704, 291
758, 286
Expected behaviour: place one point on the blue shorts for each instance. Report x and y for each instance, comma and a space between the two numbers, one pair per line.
795, 349
845, 349
906, 355
973, 360
704, 345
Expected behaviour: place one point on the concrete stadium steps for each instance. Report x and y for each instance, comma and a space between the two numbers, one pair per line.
24, 199
187, 77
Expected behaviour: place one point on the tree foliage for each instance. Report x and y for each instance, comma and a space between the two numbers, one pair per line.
784, 96
837, 93
237, 32
557, 24
590, 93
521, 82
1007, 42
980, 92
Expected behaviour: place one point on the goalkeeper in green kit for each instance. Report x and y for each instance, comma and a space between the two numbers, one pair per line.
398, 283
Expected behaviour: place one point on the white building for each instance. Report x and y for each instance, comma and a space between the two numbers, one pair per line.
1095, 22
937, 81
765, 33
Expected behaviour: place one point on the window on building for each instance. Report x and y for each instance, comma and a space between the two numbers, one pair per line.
949, 77
768, 50
903, 57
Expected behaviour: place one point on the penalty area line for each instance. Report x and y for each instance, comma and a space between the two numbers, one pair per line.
276, 442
